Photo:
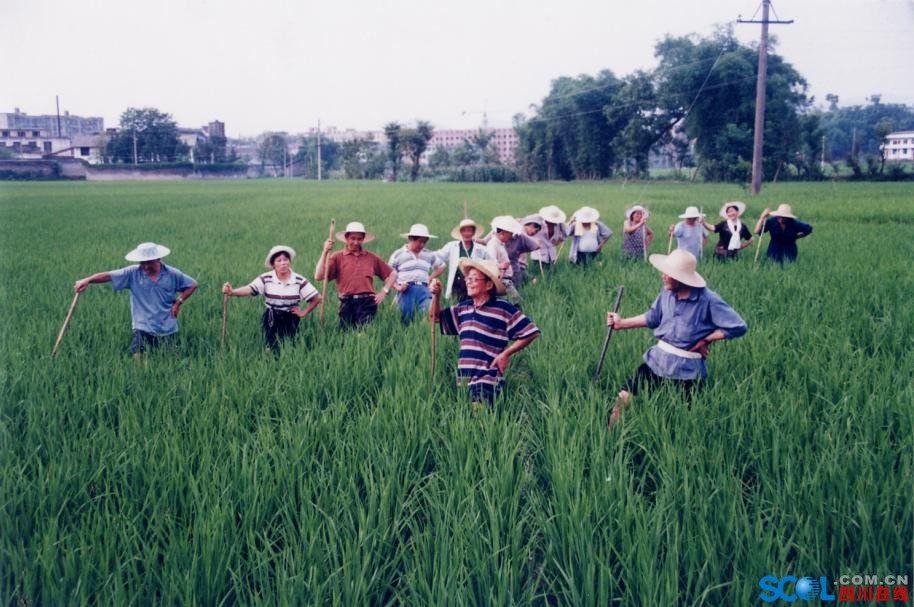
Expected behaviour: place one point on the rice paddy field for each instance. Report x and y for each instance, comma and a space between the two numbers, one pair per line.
336, 475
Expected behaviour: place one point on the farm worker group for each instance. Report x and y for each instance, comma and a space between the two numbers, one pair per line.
481, 270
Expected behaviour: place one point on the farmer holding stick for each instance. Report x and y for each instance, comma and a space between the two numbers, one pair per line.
686, 318
690, 234
784, 229
464, 246
636, 235
157, 292
414, 263
485, 325
283, 291
354, 269
588, 235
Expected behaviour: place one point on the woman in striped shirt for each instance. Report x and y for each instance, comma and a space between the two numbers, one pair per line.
283, 291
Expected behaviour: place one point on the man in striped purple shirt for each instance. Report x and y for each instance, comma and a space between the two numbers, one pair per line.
486, 325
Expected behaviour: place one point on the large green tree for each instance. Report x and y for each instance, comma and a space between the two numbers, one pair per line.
414, 142
306, 156
394, 147
146, 135
273, 151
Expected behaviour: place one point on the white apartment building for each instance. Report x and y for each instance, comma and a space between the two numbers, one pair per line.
899, 146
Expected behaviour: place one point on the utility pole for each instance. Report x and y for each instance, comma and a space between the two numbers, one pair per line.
760, 87
318, 149
57, 101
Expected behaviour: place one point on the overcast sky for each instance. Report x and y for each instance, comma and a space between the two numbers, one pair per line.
264, 65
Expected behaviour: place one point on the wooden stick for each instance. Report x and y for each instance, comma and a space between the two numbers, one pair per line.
466, 213
432, 313
326, 256
225, 300
542, 272
66, 323
644, 238
669, 246
759, 247
609, 333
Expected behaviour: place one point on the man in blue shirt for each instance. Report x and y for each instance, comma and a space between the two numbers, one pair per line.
690, 235
686, 318
156, 293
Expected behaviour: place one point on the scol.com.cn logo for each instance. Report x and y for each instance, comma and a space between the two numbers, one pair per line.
868, 588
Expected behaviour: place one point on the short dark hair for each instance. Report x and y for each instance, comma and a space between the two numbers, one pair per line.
277, 254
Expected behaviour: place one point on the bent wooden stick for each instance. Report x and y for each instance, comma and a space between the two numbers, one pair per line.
609, 333
66, 323
326, 256
432, 312
669, 246
225, 299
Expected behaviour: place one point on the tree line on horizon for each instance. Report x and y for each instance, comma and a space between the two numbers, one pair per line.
697, 108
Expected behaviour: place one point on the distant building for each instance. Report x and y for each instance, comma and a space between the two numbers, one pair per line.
899, 146
504, 139
69, 125
342, 135
83, 147
31, 143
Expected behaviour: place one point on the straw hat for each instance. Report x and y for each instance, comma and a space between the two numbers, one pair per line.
679, 265
508, 224
280, 248
691, 213
488, 267
740, 208
355, 226
420, 230
147, 251
534, 219
586, 215
467, 223
637, 207
552, 214
783, 210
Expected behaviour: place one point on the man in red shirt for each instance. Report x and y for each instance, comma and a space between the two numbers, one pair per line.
354, 270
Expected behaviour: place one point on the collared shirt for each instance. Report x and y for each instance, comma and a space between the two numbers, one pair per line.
723, 231
452, 252
547, 251
681, 323
411, 267
282, 295
151, 300
496, 250
690, 237
484, 333
783, 243
354, 272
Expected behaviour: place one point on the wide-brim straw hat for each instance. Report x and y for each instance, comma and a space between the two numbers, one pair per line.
636, 207
783, 210
467, 223
419, 230
147, 251
280, 248
552, 214
586, 215
355, 226
508, 224
679, 265
691, 213
487, 267
740, 208
534, 219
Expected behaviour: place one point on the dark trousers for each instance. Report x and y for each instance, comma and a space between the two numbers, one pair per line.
585, 258
459, 288
357, 310
143, 340
645, 377
278, 325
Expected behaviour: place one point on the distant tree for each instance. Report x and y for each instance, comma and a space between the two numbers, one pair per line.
211, 149
307, 156
440, 158
883, 128
851, 130
150, 134
394, 147
273, 151
414, 142
465, 154
362, 159
832, 102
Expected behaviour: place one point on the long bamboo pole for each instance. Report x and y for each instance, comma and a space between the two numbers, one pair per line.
326, 256
66, 323
761, 236
225, 301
